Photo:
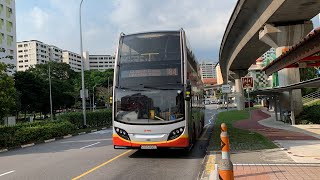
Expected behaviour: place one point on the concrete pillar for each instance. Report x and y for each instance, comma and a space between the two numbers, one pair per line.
239, 99
275, 107
282, 37
292, 105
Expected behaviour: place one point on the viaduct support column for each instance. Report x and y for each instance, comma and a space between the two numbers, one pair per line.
239, 90
281, 38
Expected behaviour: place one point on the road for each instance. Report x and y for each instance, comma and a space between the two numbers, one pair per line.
91, 156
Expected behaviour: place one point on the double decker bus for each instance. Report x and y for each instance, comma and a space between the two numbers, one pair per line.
157, 92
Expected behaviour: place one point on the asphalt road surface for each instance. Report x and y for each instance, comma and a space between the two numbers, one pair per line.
91, 156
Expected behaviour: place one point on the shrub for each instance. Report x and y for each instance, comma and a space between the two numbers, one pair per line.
94, 119
310, 114
31, 132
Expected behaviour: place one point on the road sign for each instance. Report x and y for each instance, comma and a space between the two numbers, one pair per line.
247, 82
86, 93
226, 88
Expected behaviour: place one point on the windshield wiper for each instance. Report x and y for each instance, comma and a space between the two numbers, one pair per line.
162, 88
132, 89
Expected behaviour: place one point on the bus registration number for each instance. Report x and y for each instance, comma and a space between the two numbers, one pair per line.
148, 147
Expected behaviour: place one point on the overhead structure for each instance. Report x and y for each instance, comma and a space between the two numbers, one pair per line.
303, 54
241, 45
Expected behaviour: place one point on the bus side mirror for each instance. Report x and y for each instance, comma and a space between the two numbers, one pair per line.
188, 91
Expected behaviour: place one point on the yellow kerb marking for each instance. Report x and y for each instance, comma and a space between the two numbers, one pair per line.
97, 167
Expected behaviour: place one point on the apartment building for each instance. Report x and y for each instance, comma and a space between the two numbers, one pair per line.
55, 53
35, 52
30, 53
208, 70
101, 62
8, 33
74, 60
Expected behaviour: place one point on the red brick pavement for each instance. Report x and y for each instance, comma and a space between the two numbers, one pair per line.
271, 133
276, 172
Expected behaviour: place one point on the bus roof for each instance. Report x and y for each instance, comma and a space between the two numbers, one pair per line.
149, 32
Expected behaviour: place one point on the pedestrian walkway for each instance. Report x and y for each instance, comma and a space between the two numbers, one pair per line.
270, 132
301, 144
276, 171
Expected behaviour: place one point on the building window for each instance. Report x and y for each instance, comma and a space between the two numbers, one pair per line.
20, 61
1, 8
26, 50
25, 45
20, 45
25, 60
11, 52
1, 37
1, 23
26, 65
9, 26
9, 12
21, 56
20, 66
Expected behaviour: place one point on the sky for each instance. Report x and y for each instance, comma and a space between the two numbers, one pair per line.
56, 22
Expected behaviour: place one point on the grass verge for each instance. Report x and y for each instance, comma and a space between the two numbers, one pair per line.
239, 139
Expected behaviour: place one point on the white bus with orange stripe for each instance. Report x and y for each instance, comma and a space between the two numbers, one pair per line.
157, 93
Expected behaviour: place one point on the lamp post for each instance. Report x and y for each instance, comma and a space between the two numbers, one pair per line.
82, 73
51, 114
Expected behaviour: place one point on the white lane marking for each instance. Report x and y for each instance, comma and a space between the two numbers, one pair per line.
6, 173
103, 131
82, 141
210, 120
90, 145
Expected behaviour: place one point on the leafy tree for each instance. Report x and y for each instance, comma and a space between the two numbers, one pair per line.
7, 92
32, 93
62, 83
99, 80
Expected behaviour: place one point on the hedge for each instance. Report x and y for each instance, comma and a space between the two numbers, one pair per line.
94, 119
310, 114
23, 133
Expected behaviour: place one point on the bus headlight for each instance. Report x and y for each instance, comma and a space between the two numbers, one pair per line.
175, 133
122, 133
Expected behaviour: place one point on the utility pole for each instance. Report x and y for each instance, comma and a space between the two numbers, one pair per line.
82, 73
51, 114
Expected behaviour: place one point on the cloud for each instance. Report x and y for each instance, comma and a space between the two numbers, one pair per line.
57, 22
204, 22
39, 18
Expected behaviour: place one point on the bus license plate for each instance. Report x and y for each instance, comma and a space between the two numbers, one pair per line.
148, 147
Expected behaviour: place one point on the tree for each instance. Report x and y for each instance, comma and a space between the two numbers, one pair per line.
97, 79
32, 92
7, 92
62, 83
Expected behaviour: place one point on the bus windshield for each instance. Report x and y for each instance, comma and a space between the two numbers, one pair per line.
150, 59
149, 106
149, 85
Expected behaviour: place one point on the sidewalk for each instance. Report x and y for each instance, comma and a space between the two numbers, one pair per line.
298, 155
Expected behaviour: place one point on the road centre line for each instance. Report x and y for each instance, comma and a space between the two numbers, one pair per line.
99, 166
83, 141
6, 173
90, 145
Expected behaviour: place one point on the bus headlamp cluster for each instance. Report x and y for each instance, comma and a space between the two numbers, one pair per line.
122, 133
175, 133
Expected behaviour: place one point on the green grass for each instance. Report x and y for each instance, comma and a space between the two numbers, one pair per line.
239, 139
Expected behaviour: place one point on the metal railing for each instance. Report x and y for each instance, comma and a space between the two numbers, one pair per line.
310, 98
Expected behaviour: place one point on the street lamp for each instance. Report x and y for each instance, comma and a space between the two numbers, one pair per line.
82, 73
51, 114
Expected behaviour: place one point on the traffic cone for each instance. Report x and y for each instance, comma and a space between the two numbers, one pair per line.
225, 169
